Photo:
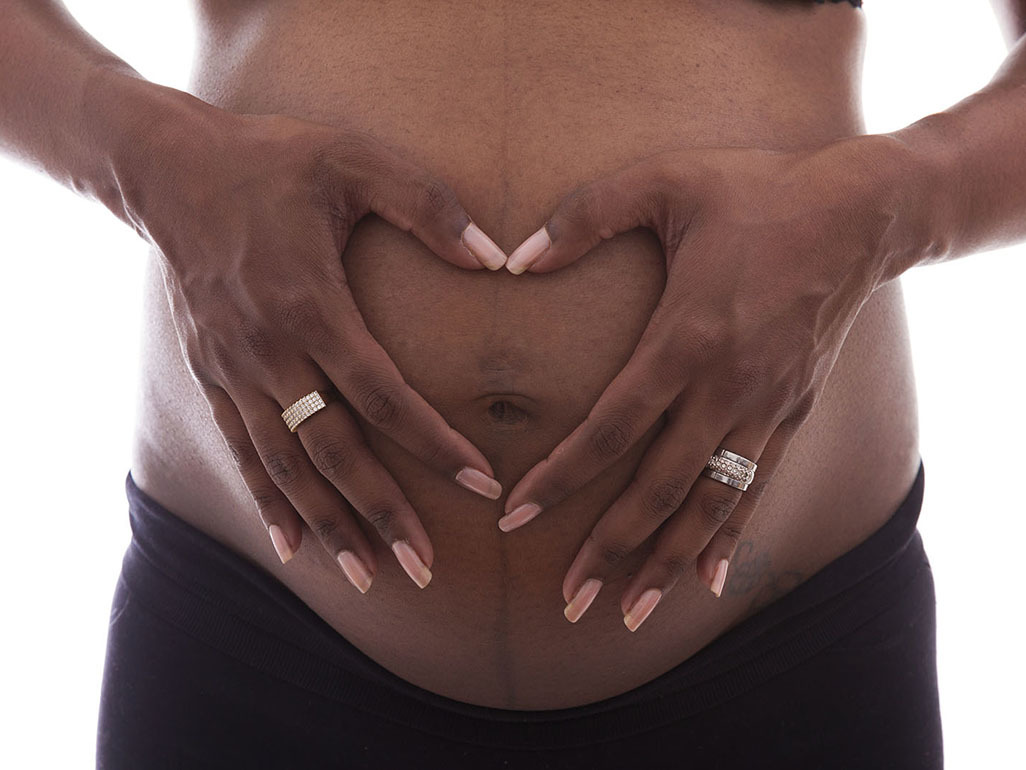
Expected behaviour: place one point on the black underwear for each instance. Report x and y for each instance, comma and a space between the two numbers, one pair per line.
212, 663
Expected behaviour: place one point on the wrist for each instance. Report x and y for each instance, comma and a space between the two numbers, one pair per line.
920, 175
877, 187
137, 129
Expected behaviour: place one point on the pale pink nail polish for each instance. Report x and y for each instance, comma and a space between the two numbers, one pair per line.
642, 608
415, 568
280, 543
720, 577
355, 570
582, 599
482, 248
519, 516
481, 483
528, 252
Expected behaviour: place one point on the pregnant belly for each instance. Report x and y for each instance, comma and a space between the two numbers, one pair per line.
516, 362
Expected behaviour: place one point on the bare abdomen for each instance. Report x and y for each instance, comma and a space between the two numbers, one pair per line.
513, 107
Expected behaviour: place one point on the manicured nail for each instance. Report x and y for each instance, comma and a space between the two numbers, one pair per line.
528, 252
479, 482
642, 608
280, 543
355, 570
519, 516
719, 578
482, 248
415, 568
582, 599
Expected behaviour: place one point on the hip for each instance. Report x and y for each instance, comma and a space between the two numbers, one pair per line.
242, 672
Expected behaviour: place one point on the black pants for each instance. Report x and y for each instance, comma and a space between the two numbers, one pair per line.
212, 663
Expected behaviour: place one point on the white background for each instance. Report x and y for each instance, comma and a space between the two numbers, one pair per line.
69, 324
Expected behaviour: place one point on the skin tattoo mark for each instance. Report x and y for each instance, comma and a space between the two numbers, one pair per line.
753, 571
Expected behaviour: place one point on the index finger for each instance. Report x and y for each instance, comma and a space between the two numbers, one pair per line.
374, 387
627, 408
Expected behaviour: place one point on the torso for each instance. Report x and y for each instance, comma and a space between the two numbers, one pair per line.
514, 104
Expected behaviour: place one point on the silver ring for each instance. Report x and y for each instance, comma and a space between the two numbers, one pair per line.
730, 468
302, 408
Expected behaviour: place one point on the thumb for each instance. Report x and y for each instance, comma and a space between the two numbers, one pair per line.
640, 195
416, 201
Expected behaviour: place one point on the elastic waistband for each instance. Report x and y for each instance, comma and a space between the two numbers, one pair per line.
219, 597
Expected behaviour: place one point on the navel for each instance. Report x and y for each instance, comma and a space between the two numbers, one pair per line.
505, 412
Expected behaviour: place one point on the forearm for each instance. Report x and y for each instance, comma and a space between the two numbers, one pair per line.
964, 185
73, 109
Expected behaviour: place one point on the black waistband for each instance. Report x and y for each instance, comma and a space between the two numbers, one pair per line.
217, 596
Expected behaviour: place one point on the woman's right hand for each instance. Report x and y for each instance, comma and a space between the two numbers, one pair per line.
249, 215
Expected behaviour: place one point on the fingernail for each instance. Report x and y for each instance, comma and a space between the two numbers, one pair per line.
518, 516
355, 570
482, 248
528, 252
582, 599
280, 543
414, 567
479, 482
720, 577
642, 608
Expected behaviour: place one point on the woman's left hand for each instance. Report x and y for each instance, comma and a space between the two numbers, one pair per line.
769, 257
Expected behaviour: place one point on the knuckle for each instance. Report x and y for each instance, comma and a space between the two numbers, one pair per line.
611, 552
611, 437
333, 457
701, 340
438, 453
350, 159
254, 342
324, 526
297, 314
674, 563
383, 518
663, 496
284, 468
716, 508
320, 164
242, 452
731, 531
742, 380
264, 498
436, 198
578, 209
338, 194
555, 490
382, 404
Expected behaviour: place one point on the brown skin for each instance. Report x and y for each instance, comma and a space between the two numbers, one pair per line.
257, 331
493, 614
769, 258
